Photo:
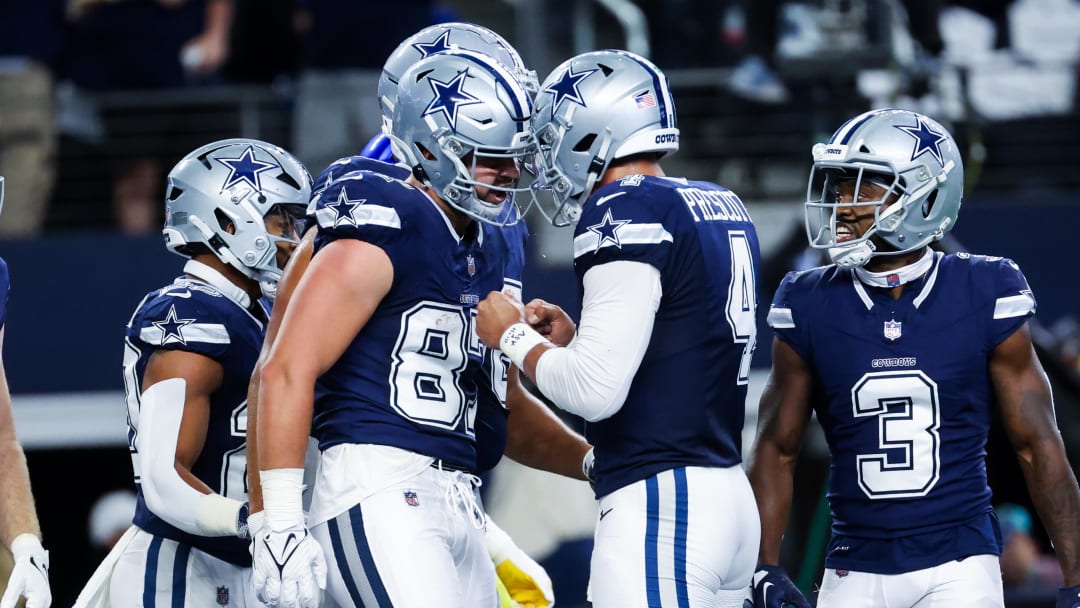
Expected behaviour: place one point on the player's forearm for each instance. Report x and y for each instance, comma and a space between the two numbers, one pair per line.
1053, 489
254, 487
537, 438
772, 478
284, 420
17, 514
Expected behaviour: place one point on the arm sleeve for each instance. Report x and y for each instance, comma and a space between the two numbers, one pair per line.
166, 493
591, 376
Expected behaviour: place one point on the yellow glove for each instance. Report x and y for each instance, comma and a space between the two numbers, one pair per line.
525, 581
520, 587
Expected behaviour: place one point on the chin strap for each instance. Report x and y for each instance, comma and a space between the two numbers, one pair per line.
852, 256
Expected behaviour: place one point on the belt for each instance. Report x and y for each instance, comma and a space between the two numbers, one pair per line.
444, 465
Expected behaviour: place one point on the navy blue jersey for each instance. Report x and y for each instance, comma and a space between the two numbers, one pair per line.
903, 393
5, 287
193, 316
414, 375
686, 402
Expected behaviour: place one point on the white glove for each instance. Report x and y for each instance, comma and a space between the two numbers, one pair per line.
288, 568
526, 581
255, 523
30, 576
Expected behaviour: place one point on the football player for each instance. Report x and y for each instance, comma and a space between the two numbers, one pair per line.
659, 366
902, 352
537, 438
189, 350
399, 266
19, 529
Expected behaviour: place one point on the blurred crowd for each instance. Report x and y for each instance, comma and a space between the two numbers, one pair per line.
59, 58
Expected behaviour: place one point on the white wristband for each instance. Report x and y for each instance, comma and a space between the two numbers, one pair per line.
25, 544
282, 498
518, 340
218, 516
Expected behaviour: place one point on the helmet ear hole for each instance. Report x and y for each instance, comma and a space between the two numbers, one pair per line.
585, 143
928, 204
224, 222
174, 193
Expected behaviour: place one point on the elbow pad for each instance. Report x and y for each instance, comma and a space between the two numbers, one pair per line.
167, 494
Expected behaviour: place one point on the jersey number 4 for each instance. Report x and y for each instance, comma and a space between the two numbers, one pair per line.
742, 300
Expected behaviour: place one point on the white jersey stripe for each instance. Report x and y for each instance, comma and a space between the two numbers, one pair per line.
1014, 306
629, 234
780, 318
362, 215
207, 333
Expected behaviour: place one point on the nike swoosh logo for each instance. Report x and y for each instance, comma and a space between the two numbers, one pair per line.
178, 294
603, 514
604, 199
286, 553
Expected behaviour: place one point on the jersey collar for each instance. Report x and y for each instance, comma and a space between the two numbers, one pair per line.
930, 262
218, 281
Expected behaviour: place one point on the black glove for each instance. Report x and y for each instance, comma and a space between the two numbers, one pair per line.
773, 589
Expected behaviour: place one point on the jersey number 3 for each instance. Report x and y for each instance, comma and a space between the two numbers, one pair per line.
908, 414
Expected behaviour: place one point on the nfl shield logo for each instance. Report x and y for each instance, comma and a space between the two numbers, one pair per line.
411, 499
892, 329
471, 261
223, 596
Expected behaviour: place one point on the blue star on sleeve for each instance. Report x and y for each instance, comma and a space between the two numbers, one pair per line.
344, 207
172, 328
607, 231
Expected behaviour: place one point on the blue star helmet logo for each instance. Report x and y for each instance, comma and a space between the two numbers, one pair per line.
440, 44
607, 231
926, 139
567, 88
344, 207
449, 98
246, 169
171, 328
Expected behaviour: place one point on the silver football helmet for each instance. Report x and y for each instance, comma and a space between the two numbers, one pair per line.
592, 109
453, 109
913, 157
444, 37
219, 196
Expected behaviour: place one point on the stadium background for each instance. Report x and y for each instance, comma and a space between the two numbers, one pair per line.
75, 283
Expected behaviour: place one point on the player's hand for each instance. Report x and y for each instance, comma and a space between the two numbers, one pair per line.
550, 321
288, 568
1068, 597
494, 314
30, 576
773, 589
526, 582
255, 523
